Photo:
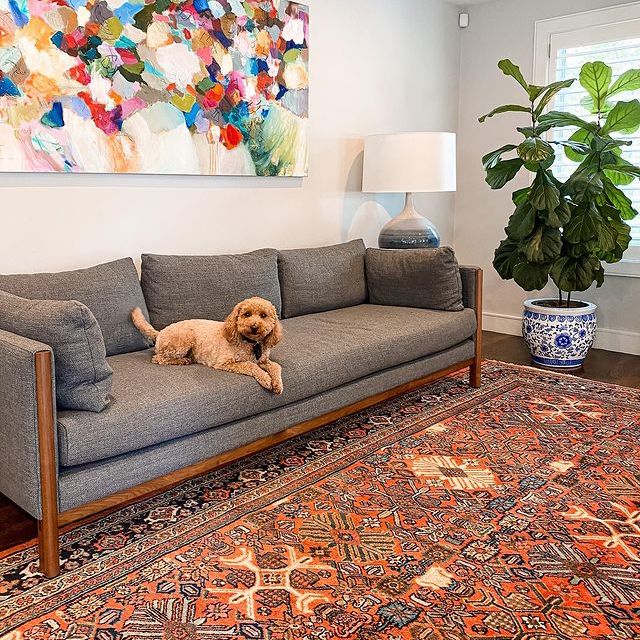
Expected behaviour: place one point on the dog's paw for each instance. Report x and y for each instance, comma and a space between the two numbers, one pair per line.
265, 382
277, 387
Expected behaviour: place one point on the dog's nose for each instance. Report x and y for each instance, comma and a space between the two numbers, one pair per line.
254, 328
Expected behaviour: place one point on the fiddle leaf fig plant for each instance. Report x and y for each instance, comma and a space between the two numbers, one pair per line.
567, 230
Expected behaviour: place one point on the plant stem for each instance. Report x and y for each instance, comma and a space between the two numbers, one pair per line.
568, 299
559, 297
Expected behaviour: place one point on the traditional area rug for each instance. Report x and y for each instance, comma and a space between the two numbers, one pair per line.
510, 511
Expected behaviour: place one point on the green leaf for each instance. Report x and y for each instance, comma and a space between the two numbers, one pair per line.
607, 236
534, 132
583, 226
505, 108
521, 222
586, 181
510, 69
530, 276
560, 216
550, 92
628, 81
492, 158
622, 242
581, 249
581, 137
627, 169
618, 177
563, 119
606, 210
503, 172
545, 196
535, 150
579, 148
534, 91
595, 77
603, 145
575, 274
619, 200
506, 256
543, 165
520, 196
544, 245
586, 102
625, 115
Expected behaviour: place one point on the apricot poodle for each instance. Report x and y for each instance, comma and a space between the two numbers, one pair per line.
241, 344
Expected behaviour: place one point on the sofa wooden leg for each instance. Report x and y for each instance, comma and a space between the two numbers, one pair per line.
49, 547
475, 374
48, 543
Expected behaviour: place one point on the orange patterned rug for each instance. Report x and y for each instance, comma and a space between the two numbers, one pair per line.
510, 511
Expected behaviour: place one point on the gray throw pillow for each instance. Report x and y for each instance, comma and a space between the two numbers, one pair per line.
207, 287
420, 278
83, 377
109, 290
315, 280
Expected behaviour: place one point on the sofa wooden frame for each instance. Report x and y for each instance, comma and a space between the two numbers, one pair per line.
53, 520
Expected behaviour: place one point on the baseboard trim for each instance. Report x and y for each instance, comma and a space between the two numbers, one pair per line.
607, 339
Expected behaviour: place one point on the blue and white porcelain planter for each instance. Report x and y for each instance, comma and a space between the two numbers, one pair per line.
557, 337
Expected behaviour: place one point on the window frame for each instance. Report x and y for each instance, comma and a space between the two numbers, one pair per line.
544, 54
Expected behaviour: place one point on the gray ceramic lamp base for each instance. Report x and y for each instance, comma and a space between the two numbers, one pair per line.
409, 230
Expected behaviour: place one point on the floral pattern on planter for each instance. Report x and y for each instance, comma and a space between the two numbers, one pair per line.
559, 338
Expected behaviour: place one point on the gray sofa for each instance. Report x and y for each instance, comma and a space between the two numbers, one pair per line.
359, 326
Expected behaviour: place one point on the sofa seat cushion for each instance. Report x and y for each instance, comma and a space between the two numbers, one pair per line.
153, 404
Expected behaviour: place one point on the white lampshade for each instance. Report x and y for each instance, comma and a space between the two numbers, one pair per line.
409, 163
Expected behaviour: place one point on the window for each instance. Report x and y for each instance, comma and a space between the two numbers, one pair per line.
563, 45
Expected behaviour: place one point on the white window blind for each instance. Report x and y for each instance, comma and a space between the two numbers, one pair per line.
563, 45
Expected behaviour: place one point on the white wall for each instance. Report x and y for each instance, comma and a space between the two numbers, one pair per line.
505, 29
376, 66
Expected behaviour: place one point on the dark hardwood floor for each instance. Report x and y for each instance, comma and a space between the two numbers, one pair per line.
605, 366
17, 527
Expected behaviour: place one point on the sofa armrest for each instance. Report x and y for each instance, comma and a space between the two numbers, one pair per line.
27, 409
472, 299
471, 281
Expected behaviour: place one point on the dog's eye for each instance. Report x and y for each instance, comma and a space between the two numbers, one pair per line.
263, 315
247, 314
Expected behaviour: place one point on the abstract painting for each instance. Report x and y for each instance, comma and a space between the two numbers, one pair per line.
205, 87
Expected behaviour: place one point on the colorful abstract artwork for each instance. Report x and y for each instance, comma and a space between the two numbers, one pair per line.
204, 87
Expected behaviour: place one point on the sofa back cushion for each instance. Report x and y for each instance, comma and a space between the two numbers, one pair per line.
206, 287
110, 291
420, 278
315, 280
83, 377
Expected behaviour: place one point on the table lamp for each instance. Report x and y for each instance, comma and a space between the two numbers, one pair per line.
420, 162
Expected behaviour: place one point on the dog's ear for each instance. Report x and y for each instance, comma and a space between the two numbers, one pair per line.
230, 329
275, 336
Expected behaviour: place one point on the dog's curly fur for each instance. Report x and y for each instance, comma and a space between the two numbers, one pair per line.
227, 346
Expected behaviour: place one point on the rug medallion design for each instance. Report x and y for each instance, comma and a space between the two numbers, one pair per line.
510, 511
